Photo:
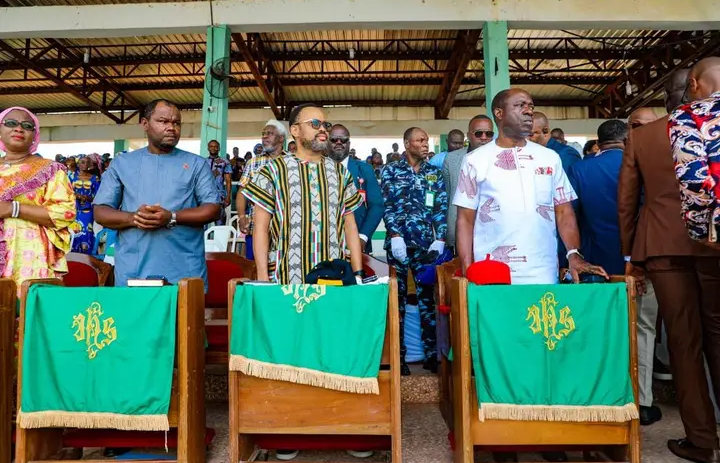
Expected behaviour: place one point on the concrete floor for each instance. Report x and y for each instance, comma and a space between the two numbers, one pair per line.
425, 439
425, 433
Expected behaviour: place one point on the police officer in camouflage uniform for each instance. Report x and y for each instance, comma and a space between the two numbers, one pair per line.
415, 204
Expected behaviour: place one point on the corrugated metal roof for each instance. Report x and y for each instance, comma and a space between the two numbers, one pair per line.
177, 75
63, 100
362, 93
343, 40
586, 39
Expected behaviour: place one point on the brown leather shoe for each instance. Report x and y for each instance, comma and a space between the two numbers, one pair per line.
686, 450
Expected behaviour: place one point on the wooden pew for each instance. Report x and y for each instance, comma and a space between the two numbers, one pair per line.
187, 404
260, 407
8, 298
445, 274
222, 267
620, 442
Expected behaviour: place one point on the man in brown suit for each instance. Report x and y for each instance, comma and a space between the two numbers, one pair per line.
685, 274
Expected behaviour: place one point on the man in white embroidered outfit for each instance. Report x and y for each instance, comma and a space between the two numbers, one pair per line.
527, 186
530, 193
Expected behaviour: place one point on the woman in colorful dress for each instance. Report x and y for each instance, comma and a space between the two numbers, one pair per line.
85, 184
98, 166
37, 203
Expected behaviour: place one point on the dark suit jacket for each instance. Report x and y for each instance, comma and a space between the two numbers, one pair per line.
659, 230
596, 184
370, 213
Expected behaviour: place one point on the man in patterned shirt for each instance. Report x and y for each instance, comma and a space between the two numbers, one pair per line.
416, 221
304, 205
693, 130
273, 140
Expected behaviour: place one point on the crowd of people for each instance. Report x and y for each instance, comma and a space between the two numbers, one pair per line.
640, 200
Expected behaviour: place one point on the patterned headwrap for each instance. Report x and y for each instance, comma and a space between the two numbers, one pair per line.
36, 135
95, 157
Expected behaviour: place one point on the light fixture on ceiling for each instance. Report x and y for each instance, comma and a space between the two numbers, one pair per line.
628, 84
351, 52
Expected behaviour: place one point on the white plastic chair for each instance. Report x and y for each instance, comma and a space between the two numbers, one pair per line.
235, 224
222, 235
214, 246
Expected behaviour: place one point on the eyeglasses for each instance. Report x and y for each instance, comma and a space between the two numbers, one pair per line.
486, 133
342, 140
685, 97
317, 123
12, 123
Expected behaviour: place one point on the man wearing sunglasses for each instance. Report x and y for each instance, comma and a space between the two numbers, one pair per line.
480, 133
303, 205
370, 212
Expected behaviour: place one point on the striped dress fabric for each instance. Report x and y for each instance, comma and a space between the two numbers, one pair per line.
308, 203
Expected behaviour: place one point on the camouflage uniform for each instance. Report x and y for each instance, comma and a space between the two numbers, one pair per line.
409, 215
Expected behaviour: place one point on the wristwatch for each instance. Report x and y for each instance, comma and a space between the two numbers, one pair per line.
573, 251
173, 220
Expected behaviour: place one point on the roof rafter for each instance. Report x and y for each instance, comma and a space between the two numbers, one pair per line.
254, 65
462, 53
679, 50
58, 81
99, 74
343, 103
316, 82
158, 57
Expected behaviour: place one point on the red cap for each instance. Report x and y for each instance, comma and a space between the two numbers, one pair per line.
489, 272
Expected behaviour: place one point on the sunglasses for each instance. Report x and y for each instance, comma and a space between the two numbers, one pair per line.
12, 123
317, 123
342, 140
487, 133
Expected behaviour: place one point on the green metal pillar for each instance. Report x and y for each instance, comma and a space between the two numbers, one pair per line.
121, 145
215, 110
497, 58
443, 143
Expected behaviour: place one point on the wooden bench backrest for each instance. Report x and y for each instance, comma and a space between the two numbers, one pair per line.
392, 328
187, 411
8, 297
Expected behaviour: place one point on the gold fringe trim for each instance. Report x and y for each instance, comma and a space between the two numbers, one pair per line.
305, 376
592, 413
62, 419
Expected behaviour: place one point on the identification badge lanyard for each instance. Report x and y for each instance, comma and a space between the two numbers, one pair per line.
429, 195
429, 199
361, 190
